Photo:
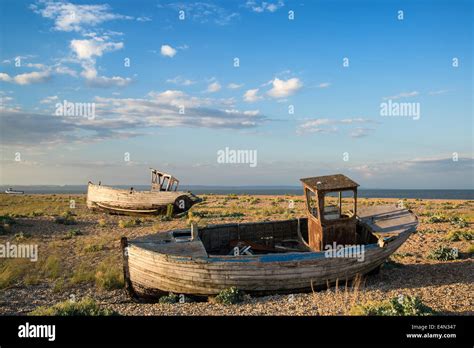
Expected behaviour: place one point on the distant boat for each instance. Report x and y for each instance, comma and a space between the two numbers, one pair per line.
164, 192
11, 191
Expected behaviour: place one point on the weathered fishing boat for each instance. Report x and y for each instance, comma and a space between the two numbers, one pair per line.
334, 241
164, 192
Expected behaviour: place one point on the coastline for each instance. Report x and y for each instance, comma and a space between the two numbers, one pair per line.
465, 194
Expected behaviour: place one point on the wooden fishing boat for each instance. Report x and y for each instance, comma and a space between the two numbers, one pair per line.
163, 194
334, 242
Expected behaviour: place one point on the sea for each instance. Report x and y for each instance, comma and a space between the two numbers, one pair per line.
466, 194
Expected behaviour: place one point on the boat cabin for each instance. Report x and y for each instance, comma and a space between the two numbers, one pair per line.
163, 182
331, 206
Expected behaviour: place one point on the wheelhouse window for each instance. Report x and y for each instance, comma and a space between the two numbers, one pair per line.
339, 205
164, 183
174, 185
312, 202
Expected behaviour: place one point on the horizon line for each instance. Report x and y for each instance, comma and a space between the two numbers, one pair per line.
233, 186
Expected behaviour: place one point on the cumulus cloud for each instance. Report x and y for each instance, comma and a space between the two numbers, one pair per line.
264, 6
95, 80
282, 88
86, 52
27, 78
71, 17
173, 108
168, 51
251, 95
64, 70
118, 118
87, 49
214, 87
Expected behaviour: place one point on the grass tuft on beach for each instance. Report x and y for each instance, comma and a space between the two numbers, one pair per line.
85, 307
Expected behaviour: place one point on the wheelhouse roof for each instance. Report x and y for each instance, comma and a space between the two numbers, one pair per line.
155, 171
329, 182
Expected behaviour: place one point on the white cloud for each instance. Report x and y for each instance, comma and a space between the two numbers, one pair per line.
114, 81
35, 65
326, 125
6, 103
204, 12
441, 91
360, 132
251, 95
282, 88
27, 78
5, 77
168, 51
214, 87
235, 85
356, 120
179, 80
94, 80
4, 100
163, 110
263, 6
316, 126
143, 19
324, 85
71, 17
421, 171
87, 49
64, 70
49, 100
252, 112
403, 95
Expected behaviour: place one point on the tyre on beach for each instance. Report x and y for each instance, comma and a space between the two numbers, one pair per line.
182, 204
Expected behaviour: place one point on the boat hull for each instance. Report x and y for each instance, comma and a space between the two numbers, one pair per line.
150, 273
120, 201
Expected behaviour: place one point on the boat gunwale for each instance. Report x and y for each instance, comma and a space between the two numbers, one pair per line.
122, 190
266, 258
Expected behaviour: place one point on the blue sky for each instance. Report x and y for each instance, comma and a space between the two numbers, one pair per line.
76, 51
